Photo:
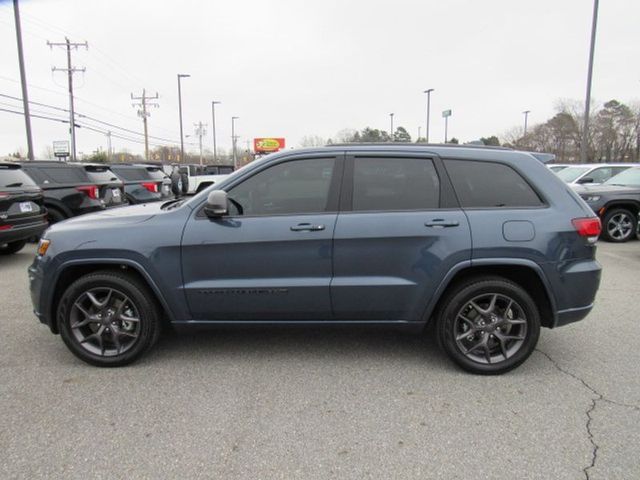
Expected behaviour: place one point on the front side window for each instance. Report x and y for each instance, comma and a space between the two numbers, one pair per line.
381, 184
295, 187
488, 185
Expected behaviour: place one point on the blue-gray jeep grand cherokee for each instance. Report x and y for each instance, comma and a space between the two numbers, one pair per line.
487, 244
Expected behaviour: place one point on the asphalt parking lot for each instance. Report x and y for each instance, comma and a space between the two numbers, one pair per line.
324, 403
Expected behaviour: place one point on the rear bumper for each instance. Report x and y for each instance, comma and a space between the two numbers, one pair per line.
575, 285
24, 232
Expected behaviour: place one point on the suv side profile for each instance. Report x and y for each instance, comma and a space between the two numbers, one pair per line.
486, 244
72, 189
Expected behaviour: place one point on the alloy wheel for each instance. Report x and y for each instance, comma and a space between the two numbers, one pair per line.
620, 226
490, 328
105, 321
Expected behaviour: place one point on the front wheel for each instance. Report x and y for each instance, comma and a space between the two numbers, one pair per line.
619, 225
488, 325
108, 319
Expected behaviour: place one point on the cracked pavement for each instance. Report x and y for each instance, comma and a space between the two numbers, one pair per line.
308, 404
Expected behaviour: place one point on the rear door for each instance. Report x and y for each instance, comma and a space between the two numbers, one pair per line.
398, 233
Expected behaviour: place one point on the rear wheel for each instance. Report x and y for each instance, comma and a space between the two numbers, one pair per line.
488, 325
108, 319
54, 215
185, 183
619, 225
12, 247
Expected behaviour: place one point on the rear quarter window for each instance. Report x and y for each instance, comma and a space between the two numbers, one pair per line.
60, 175
480, 184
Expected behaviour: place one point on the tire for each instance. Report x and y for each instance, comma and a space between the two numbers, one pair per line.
185, 183
619, 225
54, 215
12, 247
129, 313
508, 335
176, 184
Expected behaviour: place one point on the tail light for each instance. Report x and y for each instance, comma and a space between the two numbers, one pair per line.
91, 191
6, 227
589, 228
4, 194
151, 186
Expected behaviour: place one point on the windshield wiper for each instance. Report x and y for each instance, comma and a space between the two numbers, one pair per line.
17, 184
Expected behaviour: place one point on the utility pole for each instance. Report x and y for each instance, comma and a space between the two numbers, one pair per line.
213, 127
70, 71
428, 92
144, 113
200, 132
233, 141
587, 103
23, 80
391, 134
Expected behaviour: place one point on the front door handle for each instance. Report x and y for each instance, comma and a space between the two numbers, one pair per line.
441, 223
307, 227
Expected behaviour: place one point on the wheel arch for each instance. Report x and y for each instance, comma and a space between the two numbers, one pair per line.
50, 203
632, 206
523, 272
72, 270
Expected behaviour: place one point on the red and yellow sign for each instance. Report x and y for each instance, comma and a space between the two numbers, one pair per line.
267, 145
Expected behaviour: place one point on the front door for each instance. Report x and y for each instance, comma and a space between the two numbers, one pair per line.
271, 258
398, 234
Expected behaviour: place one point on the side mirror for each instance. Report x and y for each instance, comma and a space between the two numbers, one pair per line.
217, 204
586, 180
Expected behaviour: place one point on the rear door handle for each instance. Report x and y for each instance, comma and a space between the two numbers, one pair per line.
307, 227
441, 223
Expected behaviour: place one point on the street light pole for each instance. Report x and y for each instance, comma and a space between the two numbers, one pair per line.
526, 117
233, 141
181, 75
428, 92
213, 127
391, 134
587, 102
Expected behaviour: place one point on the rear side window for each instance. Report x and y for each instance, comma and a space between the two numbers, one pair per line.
487, 185
395, 184
101, 174
14, 177
156, 173
64, 175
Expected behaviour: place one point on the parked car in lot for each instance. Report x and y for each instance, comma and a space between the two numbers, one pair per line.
200, 177
72, 189
592, 173
143, 183
617, 203
485, 243
22, 213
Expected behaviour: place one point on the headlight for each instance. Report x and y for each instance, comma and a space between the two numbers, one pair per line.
43, 246
591, 198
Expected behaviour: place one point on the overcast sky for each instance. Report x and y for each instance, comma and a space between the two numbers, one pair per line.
293, 68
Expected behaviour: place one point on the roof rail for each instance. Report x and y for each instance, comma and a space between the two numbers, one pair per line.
415, 145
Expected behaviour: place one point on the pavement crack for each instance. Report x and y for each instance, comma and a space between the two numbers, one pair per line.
598, 397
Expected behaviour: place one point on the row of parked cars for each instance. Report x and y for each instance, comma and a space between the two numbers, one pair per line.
36, 194
612, 190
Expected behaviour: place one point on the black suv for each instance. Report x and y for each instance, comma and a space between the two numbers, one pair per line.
617, 203
22, 214
72, 189
144, 183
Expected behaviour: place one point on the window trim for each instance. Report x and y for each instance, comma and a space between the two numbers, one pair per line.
544, 204
333, 195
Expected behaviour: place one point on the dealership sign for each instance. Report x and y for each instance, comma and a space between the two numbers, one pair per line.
61, 148
267, 145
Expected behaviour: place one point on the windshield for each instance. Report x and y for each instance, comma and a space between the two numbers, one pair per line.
14, 177
630, 177
570, 174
